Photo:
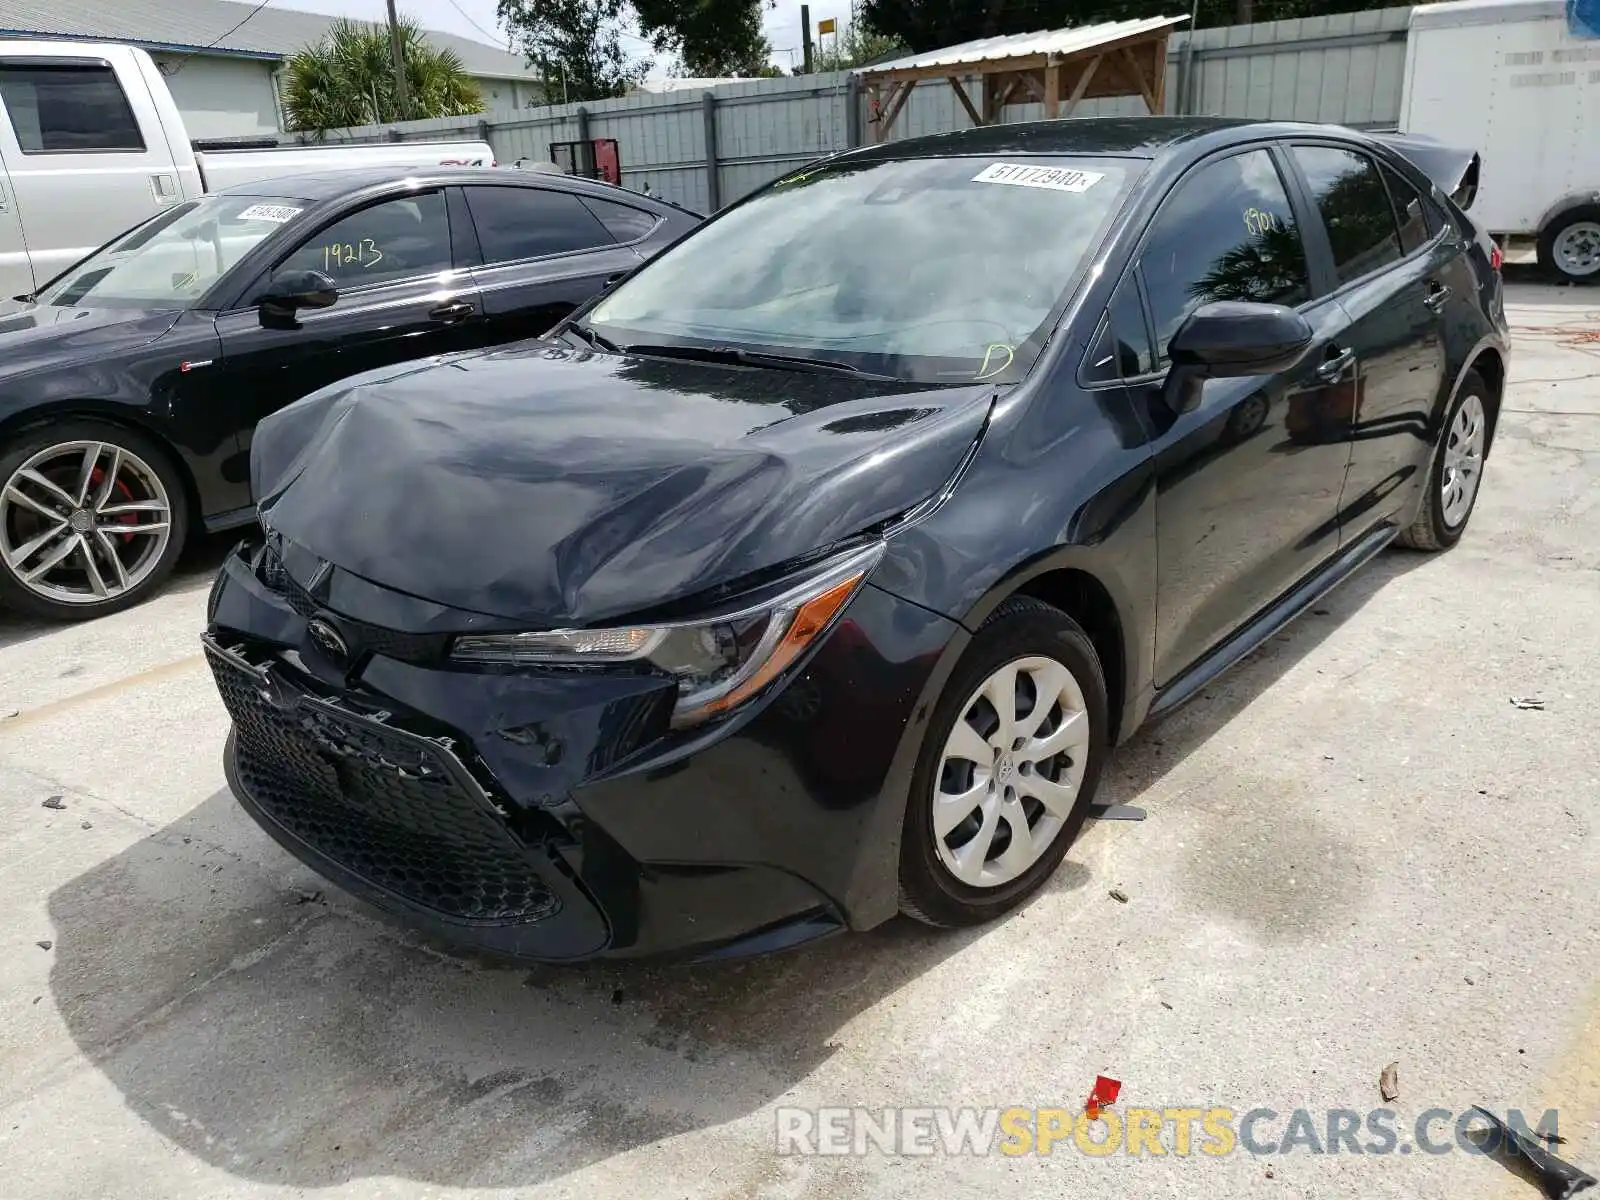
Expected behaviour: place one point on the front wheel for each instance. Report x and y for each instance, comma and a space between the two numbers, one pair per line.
1569, 247
92, 520
1008, 768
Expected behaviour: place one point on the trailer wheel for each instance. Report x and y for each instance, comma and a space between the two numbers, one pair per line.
1569, 246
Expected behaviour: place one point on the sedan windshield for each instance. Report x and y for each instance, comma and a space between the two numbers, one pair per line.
933, 270
172, 259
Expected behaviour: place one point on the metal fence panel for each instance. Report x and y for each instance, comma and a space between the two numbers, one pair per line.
1345, 68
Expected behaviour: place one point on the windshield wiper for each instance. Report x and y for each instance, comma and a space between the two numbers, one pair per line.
598, 341
757, 358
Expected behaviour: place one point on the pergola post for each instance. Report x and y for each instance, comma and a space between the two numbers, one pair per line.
1052, 90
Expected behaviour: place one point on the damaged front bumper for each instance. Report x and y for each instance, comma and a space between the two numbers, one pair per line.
554, 814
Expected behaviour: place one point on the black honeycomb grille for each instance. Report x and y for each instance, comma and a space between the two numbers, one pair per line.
382, 804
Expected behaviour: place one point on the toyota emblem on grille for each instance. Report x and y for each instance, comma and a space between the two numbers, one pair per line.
328, 640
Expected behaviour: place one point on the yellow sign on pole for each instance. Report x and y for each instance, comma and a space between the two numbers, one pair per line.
826, 25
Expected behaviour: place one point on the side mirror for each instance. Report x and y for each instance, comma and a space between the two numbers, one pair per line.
1232, 338
292, 291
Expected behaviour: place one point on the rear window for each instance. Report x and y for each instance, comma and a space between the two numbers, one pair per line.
60, 109
1354, 204
625, 223
516, 223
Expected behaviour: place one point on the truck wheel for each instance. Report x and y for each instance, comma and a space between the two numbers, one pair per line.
92, 520
1569, 247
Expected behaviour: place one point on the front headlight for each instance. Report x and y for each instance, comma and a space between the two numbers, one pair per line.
720, 660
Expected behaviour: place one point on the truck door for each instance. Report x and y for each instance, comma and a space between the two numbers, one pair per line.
81, 167
16, 272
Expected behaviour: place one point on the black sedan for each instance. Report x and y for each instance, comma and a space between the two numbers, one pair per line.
807, 577
131, 384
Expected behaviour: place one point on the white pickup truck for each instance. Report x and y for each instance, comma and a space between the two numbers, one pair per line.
91, 143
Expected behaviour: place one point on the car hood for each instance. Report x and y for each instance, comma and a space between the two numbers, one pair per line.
554, 486
46, 335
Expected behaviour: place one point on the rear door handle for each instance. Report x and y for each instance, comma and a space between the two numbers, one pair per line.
1438, 293
459, 310
1334, 365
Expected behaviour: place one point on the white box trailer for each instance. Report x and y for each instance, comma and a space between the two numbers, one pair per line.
1520, 81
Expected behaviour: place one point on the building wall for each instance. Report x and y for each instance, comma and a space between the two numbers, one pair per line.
222, 97
508, 93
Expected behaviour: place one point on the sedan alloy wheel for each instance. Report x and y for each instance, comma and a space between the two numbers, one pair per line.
86, 523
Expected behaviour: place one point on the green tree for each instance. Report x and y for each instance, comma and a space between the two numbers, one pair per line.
575, 45
855, 45
714, 38
348, 79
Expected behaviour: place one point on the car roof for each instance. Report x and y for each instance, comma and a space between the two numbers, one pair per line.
319, 186
1143, 137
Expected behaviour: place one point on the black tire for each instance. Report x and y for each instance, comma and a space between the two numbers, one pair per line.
1021, 627
1549, 263
1430, 530
16, 595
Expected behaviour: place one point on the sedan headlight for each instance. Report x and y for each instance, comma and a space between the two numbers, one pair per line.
720, 660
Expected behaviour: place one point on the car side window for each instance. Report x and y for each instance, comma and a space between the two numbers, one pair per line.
623, 221
1349, 193
1227, 232
65, 109
524, 222
1121, 349
393, 239
1408, 206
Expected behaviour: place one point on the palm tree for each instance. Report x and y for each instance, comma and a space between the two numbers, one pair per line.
348, 79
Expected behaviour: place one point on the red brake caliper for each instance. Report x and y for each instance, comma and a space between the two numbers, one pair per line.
96, 477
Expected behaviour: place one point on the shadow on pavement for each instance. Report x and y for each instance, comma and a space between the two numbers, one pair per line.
291, 1039
199, 562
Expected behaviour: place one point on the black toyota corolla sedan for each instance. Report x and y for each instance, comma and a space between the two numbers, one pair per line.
808, 577
130, 384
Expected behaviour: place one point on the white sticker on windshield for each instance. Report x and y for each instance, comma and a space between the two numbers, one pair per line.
276, 213
1056, 179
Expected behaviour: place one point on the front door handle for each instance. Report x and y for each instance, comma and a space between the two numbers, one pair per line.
1438, 293
1334, 365
450, 314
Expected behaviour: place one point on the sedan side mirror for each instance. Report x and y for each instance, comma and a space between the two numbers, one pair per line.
1231, 338
292, 291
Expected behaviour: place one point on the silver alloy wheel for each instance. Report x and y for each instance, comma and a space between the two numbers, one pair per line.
83, 522
1576, 248
1010, 772
1463, 462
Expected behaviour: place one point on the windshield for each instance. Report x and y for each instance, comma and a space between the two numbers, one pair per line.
172, 259
930, 270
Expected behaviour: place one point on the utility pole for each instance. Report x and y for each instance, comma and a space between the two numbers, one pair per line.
805, 26
402, 90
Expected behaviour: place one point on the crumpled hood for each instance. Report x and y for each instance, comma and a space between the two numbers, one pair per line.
47, 335
559, 487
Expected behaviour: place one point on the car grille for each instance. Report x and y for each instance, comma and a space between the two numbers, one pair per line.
361, 636
390, 807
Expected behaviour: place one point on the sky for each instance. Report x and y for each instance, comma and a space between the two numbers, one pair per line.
476, 19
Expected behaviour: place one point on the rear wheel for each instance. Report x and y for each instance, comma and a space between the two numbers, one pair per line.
92, 520
1457, 471
1008, 769
1569, 247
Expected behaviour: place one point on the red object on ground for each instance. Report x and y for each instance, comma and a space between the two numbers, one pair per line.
1104, 1095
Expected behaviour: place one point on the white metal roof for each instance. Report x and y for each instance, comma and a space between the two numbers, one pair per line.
1026, 45
1484, 12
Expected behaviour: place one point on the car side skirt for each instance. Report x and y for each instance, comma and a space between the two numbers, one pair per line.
1285, 609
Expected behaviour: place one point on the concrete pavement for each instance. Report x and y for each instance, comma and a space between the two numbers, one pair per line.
1359, 852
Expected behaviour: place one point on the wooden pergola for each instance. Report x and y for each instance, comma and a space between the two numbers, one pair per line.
1057, 68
